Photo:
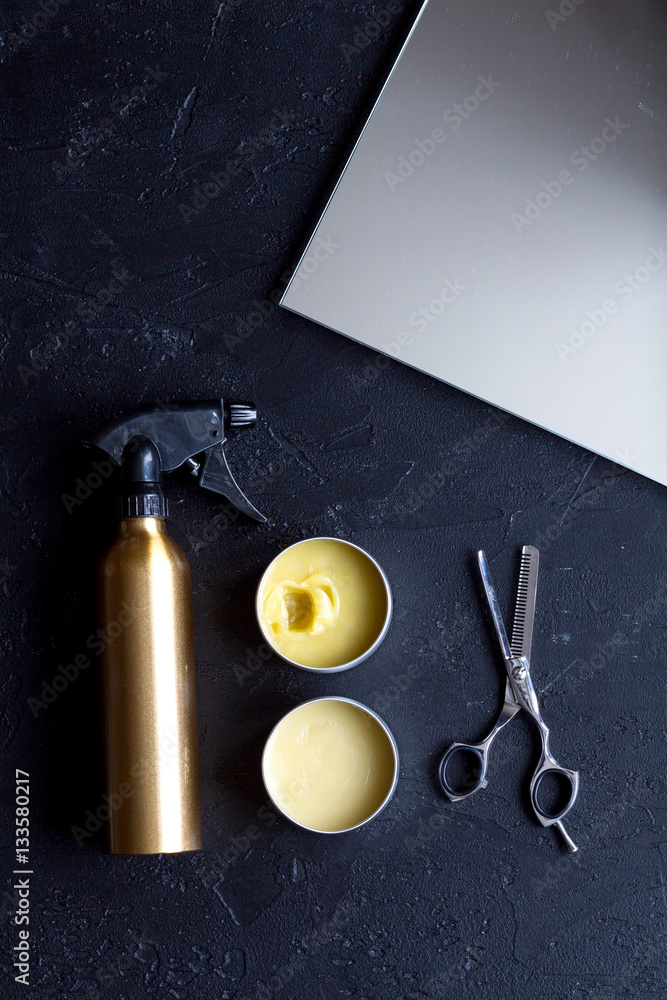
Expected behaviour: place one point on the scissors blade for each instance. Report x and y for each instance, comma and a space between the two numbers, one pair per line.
524, 615
492, 600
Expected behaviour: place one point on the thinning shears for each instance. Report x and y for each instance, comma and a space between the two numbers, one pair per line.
519, 693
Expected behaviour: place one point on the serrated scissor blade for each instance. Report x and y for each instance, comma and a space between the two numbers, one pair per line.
524, 615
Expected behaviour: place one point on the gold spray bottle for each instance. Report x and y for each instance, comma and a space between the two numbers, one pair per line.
148, 670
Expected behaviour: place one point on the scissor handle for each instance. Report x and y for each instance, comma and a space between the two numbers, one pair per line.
478, 750
473, 782
550, 767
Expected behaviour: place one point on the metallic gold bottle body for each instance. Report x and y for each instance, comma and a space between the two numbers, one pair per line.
152, 760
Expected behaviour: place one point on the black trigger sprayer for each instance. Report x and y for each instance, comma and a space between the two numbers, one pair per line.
148, 670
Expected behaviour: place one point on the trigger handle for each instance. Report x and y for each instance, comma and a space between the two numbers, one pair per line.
217, 476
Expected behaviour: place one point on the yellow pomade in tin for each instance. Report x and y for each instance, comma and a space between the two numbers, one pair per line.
329, 765
322, 603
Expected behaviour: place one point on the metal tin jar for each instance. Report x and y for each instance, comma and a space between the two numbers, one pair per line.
386, 784
383, 626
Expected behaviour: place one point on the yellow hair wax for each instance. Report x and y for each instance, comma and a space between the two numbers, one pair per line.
323, 603
330, 765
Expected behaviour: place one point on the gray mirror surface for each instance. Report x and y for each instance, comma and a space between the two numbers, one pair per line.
501, 223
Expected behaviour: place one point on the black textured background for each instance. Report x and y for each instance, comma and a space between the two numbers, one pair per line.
429, 900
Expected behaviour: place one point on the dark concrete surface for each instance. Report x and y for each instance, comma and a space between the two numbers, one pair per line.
121, 286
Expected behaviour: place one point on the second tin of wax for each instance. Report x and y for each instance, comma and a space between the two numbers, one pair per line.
330, 765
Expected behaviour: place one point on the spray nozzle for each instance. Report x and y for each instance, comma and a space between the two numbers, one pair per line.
165, 437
